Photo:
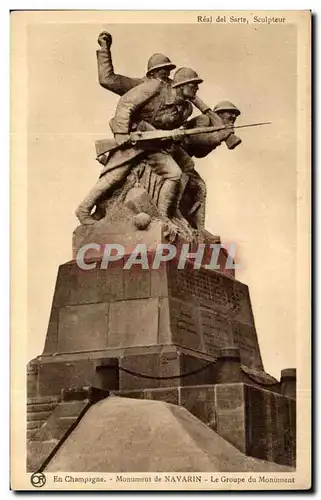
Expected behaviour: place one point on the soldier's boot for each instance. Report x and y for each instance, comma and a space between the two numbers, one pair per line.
166, 199
84, 210
178, 219
177, 213
197, 210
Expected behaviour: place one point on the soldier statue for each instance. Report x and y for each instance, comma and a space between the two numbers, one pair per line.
151, 105
158, 102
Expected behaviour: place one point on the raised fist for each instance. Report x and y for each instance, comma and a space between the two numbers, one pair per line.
105, 40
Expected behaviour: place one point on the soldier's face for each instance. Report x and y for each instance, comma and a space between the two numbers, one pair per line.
228, 117
189, 90
162, 73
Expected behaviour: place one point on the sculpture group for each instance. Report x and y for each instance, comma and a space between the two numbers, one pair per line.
163, 167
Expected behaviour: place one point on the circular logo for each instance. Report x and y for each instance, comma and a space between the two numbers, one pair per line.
38, 479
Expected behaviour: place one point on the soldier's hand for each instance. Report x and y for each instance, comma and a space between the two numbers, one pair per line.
225, 134
122, 139
105, 40
178, 136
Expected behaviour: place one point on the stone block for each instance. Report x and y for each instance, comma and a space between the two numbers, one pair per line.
216, 330
200, 401
136, 283
66, 282
79, 286
133, 323
210, 311
152, 365
130, 394
159, 282
83, 327
32, 379
169, 395
258, 422
161, 367
92, 394
185, 324
55, 376
164, 326
228, 366
205, 370
51, 343
245, 338
230, 414
270, 426
97, 285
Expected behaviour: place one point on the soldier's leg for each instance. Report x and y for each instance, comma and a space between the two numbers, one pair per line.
187, 166
104, 185
164, 165
196, 213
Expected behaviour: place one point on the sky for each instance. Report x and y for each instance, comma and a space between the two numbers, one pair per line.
251, 190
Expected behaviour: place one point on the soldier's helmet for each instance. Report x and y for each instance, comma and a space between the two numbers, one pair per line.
226, 106
159, 61
185, 75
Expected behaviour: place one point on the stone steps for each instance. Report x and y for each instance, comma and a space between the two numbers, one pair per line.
45, 440
39, 410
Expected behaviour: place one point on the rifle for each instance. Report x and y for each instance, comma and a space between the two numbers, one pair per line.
107, 145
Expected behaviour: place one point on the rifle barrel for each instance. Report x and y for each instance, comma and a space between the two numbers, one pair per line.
104, 146
202, 130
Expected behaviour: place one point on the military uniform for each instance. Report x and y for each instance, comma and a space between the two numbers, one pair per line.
120, 84
155, 103
201, 145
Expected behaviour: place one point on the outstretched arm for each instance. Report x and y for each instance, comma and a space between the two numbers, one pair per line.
199, 104
231, 139
119, 84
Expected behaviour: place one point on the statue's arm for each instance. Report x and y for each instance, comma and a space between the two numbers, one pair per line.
201, 145
119, 84
199, 104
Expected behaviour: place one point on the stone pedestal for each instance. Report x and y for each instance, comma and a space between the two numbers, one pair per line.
185, 336
103, 309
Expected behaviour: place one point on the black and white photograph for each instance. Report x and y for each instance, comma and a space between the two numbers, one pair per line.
160, 216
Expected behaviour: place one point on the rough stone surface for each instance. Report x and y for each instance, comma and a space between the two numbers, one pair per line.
84, 326
57, 373
210, 311
50, 435
230, 414
173, 363
130, 435
133, 323
258, 422
271, 426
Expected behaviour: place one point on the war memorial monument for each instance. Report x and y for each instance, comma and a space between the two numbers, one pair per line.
151, 361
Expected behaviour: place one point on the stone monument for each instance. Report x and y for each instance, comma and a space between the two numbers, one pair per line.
183, 335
